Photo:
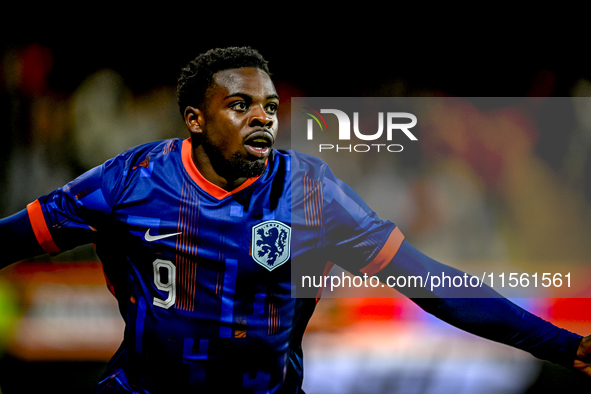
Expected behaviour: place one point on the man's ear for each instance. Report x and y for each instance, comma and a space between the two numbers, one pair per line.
194, 120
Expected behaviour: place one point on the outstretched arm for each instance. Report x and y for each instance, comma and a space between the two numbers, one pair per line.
18, 239
484, 312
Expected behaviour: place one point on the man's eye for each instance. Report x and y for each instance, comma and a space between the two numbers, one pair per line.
239, 106
272, 108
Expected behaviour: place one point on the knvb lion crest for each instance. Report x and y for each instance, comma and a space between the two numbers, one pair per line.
270, 244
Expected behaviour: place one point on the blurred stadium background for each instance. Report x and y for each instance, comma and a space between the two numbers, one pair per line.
68, 105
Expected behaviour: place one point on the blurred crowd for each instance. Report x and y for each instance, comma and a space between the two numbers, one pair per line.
51, 137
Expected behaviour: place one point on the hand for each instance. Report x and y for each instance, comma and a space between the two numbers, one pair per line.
583, 359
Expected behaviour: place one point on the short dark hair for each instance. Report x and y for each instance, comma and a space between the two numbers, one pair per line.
197, 76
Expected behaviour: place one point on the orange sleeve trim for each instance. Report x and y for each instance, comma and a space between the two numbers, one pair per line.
40, 228
386, 254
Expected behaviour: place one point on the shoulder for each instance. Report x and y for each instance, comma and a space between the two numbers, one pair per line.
151, 150
140, 156
135, 163
303, 165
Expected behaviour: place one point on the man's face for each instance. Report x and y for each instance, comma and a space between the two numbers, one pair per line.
240, 122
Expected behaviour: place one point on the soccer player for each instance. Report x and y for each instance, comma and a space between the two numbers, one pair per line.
197, 237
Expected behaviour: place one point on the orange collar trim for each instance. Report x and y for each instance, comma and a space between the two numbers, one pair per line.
213, 190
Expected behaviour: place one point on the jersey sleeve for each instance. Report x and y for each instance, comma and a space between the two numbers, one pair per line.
17, 239
357, 238
480, 310
353, 235
74, 214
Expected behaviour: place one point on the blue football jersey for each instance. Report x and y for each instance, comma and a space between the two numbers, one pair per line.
202, 275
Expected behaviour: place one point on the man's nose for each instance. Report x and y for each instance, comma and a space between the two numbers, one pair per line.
259, 117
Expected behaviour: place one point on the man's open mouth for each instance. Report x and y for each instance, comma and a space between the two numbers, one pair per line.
259, 143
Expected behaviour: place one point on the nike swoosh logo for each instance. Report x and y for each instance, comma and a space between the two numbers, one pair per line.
152, 238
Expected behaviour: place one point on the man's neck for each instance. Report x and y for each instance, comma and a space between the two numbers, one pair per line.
205, 167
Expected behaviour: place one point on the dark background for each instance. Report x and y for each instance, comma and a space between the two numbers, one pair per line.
149, 54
